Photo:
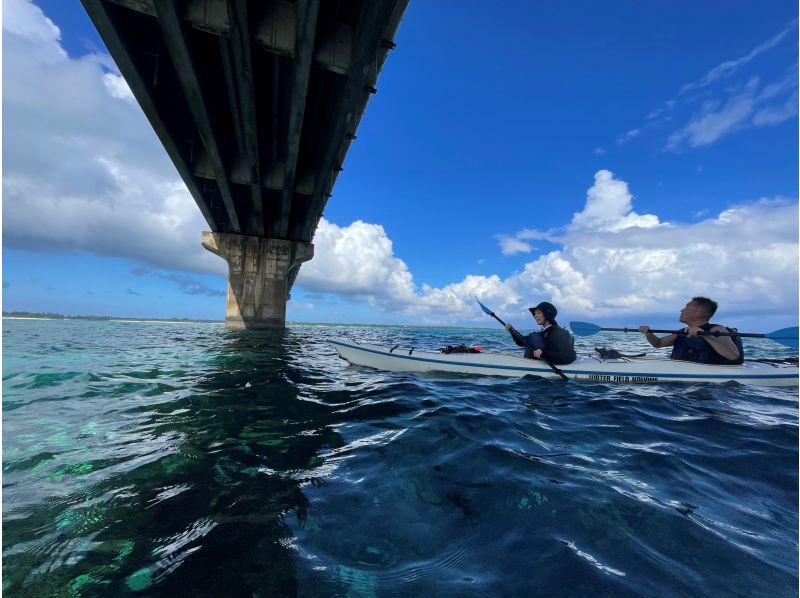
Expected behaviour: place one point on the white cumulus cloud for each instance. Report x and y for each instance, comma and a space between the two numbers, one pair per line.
611, 261
356, 260
70, 181
510, 245
118, 87
609, 206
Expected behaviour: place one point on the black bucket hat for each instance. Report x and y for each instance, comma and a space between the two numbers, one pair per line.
548, 309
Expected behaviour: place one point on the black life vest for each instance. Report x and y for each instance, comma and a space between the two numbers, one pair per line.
533, 341
555, 340
695, 348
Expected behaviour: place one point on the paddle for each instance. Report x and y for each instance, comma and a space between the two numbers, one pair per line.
517, 336
784, 336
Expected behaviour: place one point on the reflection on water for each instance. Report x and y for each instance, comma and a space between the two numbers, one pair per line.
186, 459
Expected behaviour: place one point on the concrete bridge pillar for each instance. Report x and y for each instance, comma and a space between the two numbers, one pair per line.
259, 272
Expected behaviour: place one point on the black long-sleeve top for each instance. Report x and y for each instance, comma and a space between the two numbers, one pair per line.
558, 344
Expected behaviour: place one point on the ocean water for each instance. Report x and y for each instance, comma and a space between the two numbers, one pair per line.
184, 459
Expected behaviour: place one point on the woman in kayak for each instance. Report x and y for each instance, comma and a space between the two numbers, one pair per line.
552, 343
723, 350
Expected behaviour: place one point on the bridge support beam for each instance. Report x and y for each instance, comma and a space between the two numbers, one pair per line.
260, 271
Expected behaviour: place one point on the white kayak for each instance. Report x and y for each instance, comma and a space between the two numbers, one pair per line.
628, 370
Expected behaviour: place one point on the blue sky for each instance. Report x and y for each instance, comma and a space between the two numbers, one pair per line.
614, 158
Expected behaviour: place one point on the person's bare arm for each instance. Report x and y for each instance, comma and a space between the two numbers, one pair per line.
657, 342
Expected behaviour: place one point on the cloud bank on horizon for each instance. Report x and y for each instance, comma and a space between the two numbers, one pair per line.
115, 193
612, 260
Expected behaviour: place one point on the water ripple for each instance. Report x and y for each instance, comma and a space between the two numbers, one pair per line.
187, 459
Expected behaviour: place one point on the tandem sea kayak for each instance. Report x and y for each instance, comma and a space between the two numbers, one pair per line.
626, 370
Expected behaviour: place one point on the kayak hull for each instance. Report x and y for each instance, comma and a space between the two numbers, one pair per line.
645, 370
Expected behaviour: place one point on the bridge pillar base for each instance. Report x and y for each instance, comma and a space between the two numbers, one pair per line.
259, 274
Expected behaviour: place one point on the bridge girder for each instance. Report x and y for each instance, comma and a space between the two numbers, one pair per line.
256, 102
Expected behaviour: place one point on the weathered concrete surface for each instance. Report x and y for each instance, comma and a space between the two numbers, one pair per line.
259, 269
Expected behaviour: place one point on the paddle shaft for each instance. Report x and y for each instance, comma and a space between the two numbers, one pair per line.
516, 334
701, 333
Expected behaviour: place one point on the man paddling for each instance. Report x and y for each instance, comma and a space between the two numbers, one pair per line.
722, 350
552, 343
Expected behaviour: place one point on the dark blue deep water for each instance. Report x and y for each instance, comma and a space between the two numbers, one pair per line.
184, 459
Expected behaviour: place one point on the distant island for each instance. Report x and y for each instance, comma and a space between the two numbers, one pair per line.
52, 316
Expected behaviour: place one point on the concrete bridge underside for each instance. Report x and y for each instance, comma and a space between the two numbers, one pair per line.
256, 103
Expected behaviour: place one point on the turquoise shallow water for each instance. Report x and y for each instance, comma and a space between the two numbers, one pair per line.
183, 459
